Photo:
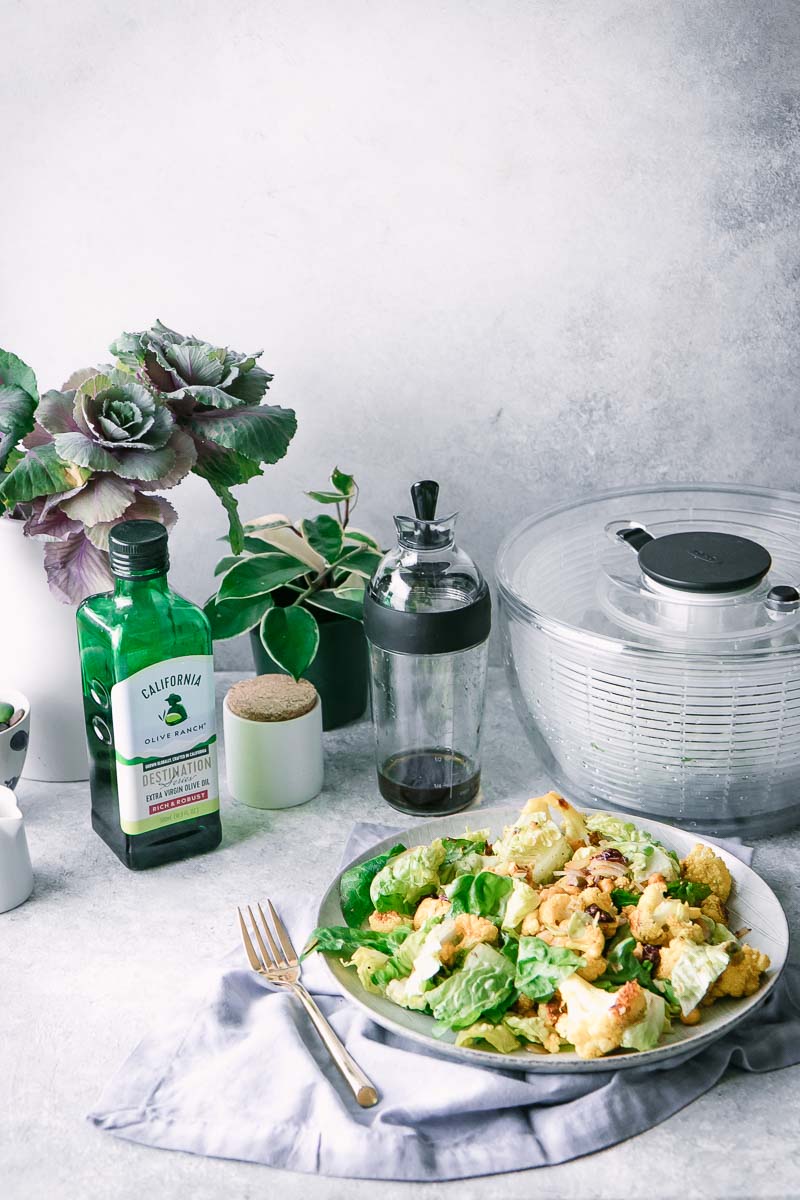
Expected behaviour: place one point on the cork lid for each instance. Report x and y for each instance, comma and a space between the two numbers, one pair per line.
271, 698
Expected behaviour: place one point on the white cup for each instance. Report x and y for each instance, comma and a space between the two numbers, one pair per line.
16, 875
274, 764
14, 740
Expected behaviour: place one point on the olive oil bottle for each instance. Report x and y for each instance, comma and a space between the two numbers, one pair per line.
148, 698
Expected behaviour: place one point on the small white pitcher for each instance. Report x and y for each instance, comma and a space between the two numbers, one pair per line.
16, 874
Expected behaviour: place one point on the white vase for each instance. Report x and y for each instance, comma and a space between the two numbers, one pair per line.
39, 656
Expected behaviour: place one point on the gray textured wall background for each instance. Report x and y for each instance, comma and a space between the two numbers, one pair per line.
533, 249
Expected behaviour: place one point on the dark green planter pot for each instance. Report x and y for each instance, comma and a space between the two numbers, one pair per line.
338, 672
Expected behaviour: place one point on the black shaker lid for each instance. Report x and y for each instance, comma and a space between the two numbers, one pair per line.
429, 632
704, 561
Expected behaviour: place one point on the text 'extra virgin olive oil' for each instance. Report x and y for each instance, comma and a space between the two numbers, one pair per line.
148, 698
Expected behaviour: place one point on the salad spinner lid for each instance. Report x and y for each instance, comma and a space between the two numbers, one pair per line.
683, 568
702, 560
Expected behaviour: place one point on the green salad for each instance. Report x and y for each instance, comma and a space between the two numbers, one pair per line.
569, 931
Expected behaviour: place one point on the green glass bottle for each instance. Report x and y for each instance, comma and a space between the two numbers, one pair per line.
148, 699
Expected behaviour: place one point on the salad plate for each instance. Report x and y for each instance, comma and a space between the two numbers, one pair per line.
753, 905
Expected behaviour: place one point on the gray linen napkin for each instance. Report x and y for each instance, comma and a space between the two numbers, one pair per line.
245, 1076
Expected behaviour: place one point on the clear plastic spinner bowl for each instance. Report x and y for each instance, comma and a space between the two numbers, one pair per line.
650, 699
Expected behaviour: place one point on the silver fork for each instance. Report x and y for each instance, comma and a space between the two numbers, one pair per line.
281, 967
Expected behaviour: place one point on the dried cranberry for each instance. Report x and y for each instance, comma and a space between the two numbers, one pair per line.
594, 910
610, 855
651, 954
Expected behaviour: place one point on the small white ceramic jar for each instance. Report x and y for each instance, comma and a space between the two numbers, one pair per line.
273, 741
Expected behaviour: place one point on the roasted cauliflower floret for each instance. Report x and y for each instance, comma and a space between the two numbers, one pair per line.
508, 868
430, 907
668, 958
594, 968
468, 931
385, 922
704, 866
588, 941
657, 918
581, 858
742, 976
713, 907
596, 895
595, 1021
530, 925
550, 1011
558, 906
572, 822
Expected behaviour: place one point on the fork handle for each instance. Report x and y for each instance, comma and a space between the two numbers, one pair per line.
362, 1088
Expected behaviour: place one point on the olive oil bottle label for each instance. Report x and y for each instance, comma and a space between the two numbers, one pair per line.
166, 743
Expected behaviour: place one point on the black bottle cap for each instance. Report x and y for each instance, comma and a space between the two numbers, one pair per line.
137, 549
705, 561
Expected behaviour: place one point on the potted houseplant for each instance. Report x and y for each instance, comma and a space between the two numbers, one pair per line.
298, 589
75, 461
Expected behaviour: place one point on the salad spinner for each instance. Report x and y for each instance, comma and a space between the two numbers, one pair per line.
652, 637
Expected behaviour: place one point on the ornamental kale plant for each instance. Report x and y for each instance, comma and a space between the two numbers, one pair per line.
288, 572
75, 462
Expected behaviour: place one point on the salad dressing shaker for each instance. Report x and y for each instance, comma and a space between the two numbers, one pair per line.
427, 617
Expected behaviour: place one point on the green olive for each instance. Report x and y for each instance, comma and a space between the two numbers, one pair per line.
6, 712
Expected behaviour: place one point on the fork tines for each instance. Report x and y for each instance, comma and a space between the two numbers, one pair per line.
272, 957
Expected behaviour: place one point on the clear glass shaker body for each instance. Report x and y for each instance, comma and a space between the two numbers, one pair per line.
427, 710
427, 618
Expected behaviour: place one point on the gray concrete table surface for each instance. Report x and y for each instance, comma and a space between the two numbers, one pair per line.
91, 959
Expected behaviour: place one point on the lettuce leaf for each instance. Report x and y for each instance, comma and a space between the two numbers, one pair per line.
721, 933
541, 967
484, 982
483, 1033
697, 968
456, 848
688, 891
374, 969
623, 965
523, 900
484, 895
405, 879
621, 897
536, 842
422, 953
643, 852
534, 1030
355, 883
470, 863
646, 1032
463, 855
509, 945
340, 940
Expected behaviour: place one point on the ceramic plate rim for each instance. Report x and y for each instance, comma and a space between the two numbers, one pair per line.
723, 1016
